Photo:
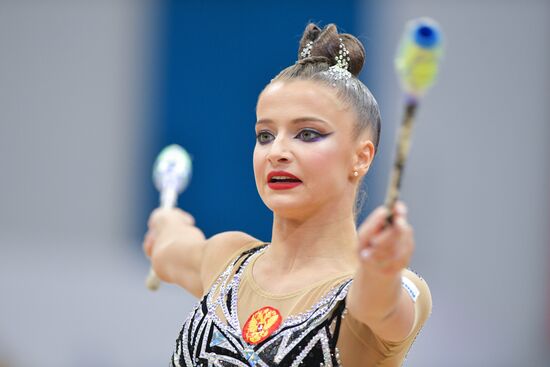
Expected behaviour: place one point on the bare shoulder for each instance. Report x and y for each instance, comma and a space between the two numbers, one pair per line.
219, 250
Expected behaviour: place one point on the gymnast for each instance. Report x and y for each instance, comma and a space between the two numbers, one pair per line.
322, 292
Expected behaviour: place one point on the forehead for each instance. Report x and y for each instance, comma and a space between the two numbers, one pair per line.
283, 100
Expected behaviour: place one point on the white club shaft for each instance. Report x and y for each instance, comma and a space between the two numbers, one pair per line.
168, 198
171, 174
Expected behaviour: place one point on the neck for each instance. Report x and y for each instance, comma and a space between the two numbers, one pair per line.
323, 239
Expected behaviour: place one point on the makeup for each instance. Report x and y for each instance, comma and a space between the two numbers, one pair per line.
281, 180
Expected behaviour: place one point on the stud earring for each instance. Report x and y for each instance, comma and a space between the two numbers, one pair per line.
355, 173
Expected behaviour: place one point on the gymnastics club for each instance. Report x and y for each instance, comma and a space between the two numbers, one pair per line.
171, 175
416, 63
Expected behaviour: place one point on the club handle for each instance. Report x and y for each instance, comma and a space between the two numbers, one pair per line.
152, 282
403, 147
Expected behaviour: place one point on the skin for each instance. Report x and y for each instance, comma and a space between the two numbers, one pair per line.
304, 129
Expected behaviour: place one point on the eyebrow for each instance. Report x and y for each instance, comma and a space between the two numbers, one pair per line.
294, 121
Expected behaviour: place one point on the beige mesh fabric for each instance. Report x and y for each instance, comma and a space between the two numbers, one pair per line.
358, 345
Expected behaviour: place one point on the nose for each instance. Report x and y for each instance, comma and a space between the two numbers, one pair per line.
279, 151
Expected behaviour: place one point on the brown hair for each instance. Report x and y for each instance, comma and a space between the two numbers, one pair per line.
324, 49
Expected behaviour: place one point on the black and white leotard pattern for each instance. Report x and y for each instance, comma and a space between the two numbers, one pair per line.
211, 335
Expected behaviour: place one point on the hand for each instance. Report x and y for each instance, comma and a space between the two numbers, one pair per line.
166, 224
384, 248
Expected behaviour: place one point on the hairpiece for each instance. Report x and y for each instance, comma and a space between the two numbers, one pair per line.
340, 71
306, 51
342, 60
337, 73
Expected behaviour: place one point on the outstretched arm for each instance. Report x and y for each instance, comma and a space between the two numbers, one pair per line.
180, 253
376, 297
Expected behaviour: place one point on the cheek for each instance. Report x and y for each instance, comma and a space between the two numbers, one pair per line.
329, 159
257, 162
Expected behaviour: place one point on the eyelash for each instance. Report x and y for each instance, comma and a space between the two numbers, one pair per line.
317, 137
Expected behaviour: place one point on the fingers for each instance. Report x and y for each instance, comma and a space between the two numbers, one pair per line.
148, 242
385, 246
160, 223
392, 249
377, 221
387, 249
161, 216
400, 209
374, 223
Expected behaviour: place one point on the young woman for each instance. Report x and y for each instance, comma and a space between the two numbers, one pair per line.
322, 292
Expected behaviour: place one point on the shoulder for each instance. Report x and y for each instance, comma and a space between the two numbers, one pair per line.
224, 244
220, 250
416, 288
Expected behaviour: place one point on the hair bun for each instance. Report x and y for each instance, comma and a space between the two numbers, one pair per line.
326, 45
314, 60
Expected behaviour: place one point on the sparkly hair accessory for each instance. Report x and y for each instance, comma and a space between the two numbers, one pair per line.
340, 70
342, 60
306, 51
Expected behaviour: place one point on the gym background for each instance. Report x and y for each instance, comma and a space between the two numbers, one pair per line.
91, 91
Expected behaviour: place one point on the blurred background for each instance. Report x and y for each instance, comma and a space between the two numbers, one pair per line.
91, 91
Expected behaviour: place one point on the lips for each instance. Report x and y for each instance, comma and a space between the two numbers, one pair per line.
281, 180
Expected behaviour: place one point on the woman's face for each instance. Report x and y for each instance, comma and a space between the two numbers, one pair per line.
305, 152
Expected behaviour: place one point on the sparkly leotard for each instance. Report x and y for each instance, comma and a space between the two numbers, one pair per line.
211, 335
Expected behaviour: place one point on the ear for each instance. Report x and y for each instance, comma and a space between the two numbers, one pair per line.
364, 156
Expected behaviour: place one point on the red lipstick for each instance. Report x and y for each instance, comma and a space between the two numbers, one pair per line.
281, 180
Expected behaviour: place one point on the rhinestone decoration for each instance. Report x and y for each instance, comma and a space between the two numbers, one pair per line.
342, 60
306, 339
337, 73
340, 72
306, 51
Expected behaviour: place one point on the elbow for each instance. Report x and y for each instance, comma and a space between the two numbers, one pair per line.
368, 314
373, 306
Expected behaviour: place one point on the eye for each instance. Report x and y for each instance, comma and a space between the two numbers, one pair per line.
264, 137
309, 135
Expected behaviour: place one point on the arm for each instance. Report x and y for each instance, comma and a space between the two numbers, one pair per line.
376, 297
180, 253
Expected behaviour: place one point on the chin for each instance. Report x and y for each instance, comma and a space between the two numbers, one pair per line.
290, 208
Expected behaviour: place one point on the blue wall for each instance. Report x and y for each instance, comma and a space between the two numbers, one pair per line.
216, 58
